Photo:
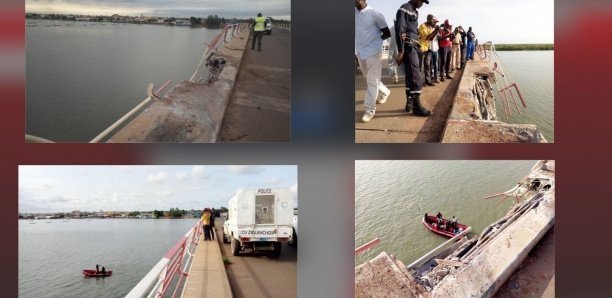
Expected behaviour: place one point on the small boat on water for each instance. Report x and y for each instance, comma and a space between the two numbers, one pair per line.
431, 223
92, 273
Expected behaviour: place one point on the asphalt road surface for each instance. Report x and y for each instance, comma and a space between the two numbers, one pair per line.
259, 107
256, 274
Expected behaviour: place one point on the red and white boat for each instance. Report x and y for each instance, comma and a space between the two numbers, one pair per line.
431, 223
93, 273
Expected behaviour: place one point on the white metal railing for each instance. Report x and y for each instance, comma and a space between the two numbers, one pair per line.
175, 263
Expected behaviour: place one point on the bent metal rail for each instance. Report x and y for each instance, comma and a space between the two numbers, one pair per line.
505, 89
170, 271
228, 33
221, 37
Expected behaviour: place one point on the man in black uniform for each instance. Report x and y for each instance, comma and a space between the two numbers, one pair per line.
407, 34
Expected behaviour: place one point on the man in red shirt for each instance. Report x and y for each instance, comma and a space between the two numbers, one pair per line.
445, 38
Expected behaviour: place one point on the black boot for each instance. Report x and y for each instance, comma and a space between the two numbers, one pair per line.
417, 109
408, 107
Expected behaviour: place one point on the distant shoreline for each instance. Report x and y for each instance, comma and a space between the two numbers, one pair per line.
525, 47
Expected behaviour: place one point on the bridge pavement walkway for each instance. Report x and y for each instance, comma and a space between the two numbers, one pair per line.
207, 276
392, 125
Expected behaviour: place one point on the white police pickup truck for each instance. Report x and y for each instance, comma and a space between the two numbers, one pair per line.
259, 220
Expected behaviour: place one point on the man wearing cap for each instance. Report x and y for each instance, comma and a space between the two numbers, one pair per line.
370, 31
427, 32
406, 34
445, 40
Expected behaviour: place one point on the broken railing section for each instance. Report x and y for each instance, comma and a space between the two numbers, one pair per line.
204, 72
507, 88
151, 95
464, 267
228, 33
367, 246
484, 100
529, 194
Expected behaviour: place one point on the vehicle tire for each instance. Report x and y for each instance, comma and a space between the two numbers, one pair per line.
294, 240
235, 246
225, 239
277, 250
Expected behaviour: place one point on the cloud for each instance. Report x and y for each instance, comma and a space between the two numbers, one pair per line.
273, 181
246, 170
294, 190
158, 177
163, 193
180, 176
199, 172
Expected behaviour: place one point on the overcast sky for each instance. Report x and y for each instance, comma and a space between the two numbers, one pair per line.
131, 188
279, 9
500, 21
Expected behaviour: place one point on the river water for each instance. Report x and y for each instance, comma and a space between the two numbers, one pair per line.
391, 198
52, 255
81, 77
534, 73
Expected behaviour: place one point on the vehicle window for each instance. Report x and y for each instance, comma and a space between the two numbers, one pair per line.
264, 209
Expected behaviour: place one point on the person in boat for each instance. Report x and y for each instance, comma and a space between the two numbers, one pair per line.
454, 221
103, 271
440, 221
97, 268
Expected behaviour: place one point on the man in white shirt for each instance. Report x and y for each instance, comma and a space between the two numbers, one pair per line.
370, 31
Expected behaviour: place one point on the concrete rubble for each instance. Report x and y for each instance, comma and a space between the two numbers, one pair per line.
385, 276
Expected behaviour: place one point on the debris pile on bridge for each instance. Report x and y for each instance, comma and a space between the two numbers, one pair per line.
385, 276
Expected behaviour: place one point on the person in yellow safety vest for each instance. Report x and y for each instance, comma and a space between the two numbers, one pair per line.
259, 26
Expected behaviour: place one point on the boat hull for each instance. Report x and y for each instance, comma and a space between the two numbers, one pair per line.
429, 222
92, 273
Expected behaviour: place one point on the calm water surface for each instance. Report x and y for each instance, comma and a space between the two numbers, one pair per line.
83, 76
534, 73
391, 198
52, 255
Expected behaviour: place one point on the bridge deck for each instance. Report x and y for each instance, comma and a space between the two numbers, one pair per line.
207, 277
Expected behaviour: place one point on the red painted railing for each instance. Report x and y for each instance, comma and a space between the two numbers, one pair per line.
174, 264
367, 246
506, 87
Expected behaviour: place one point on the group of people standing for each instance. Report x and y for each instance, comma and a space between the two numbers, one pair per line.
208, 223
427, 51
